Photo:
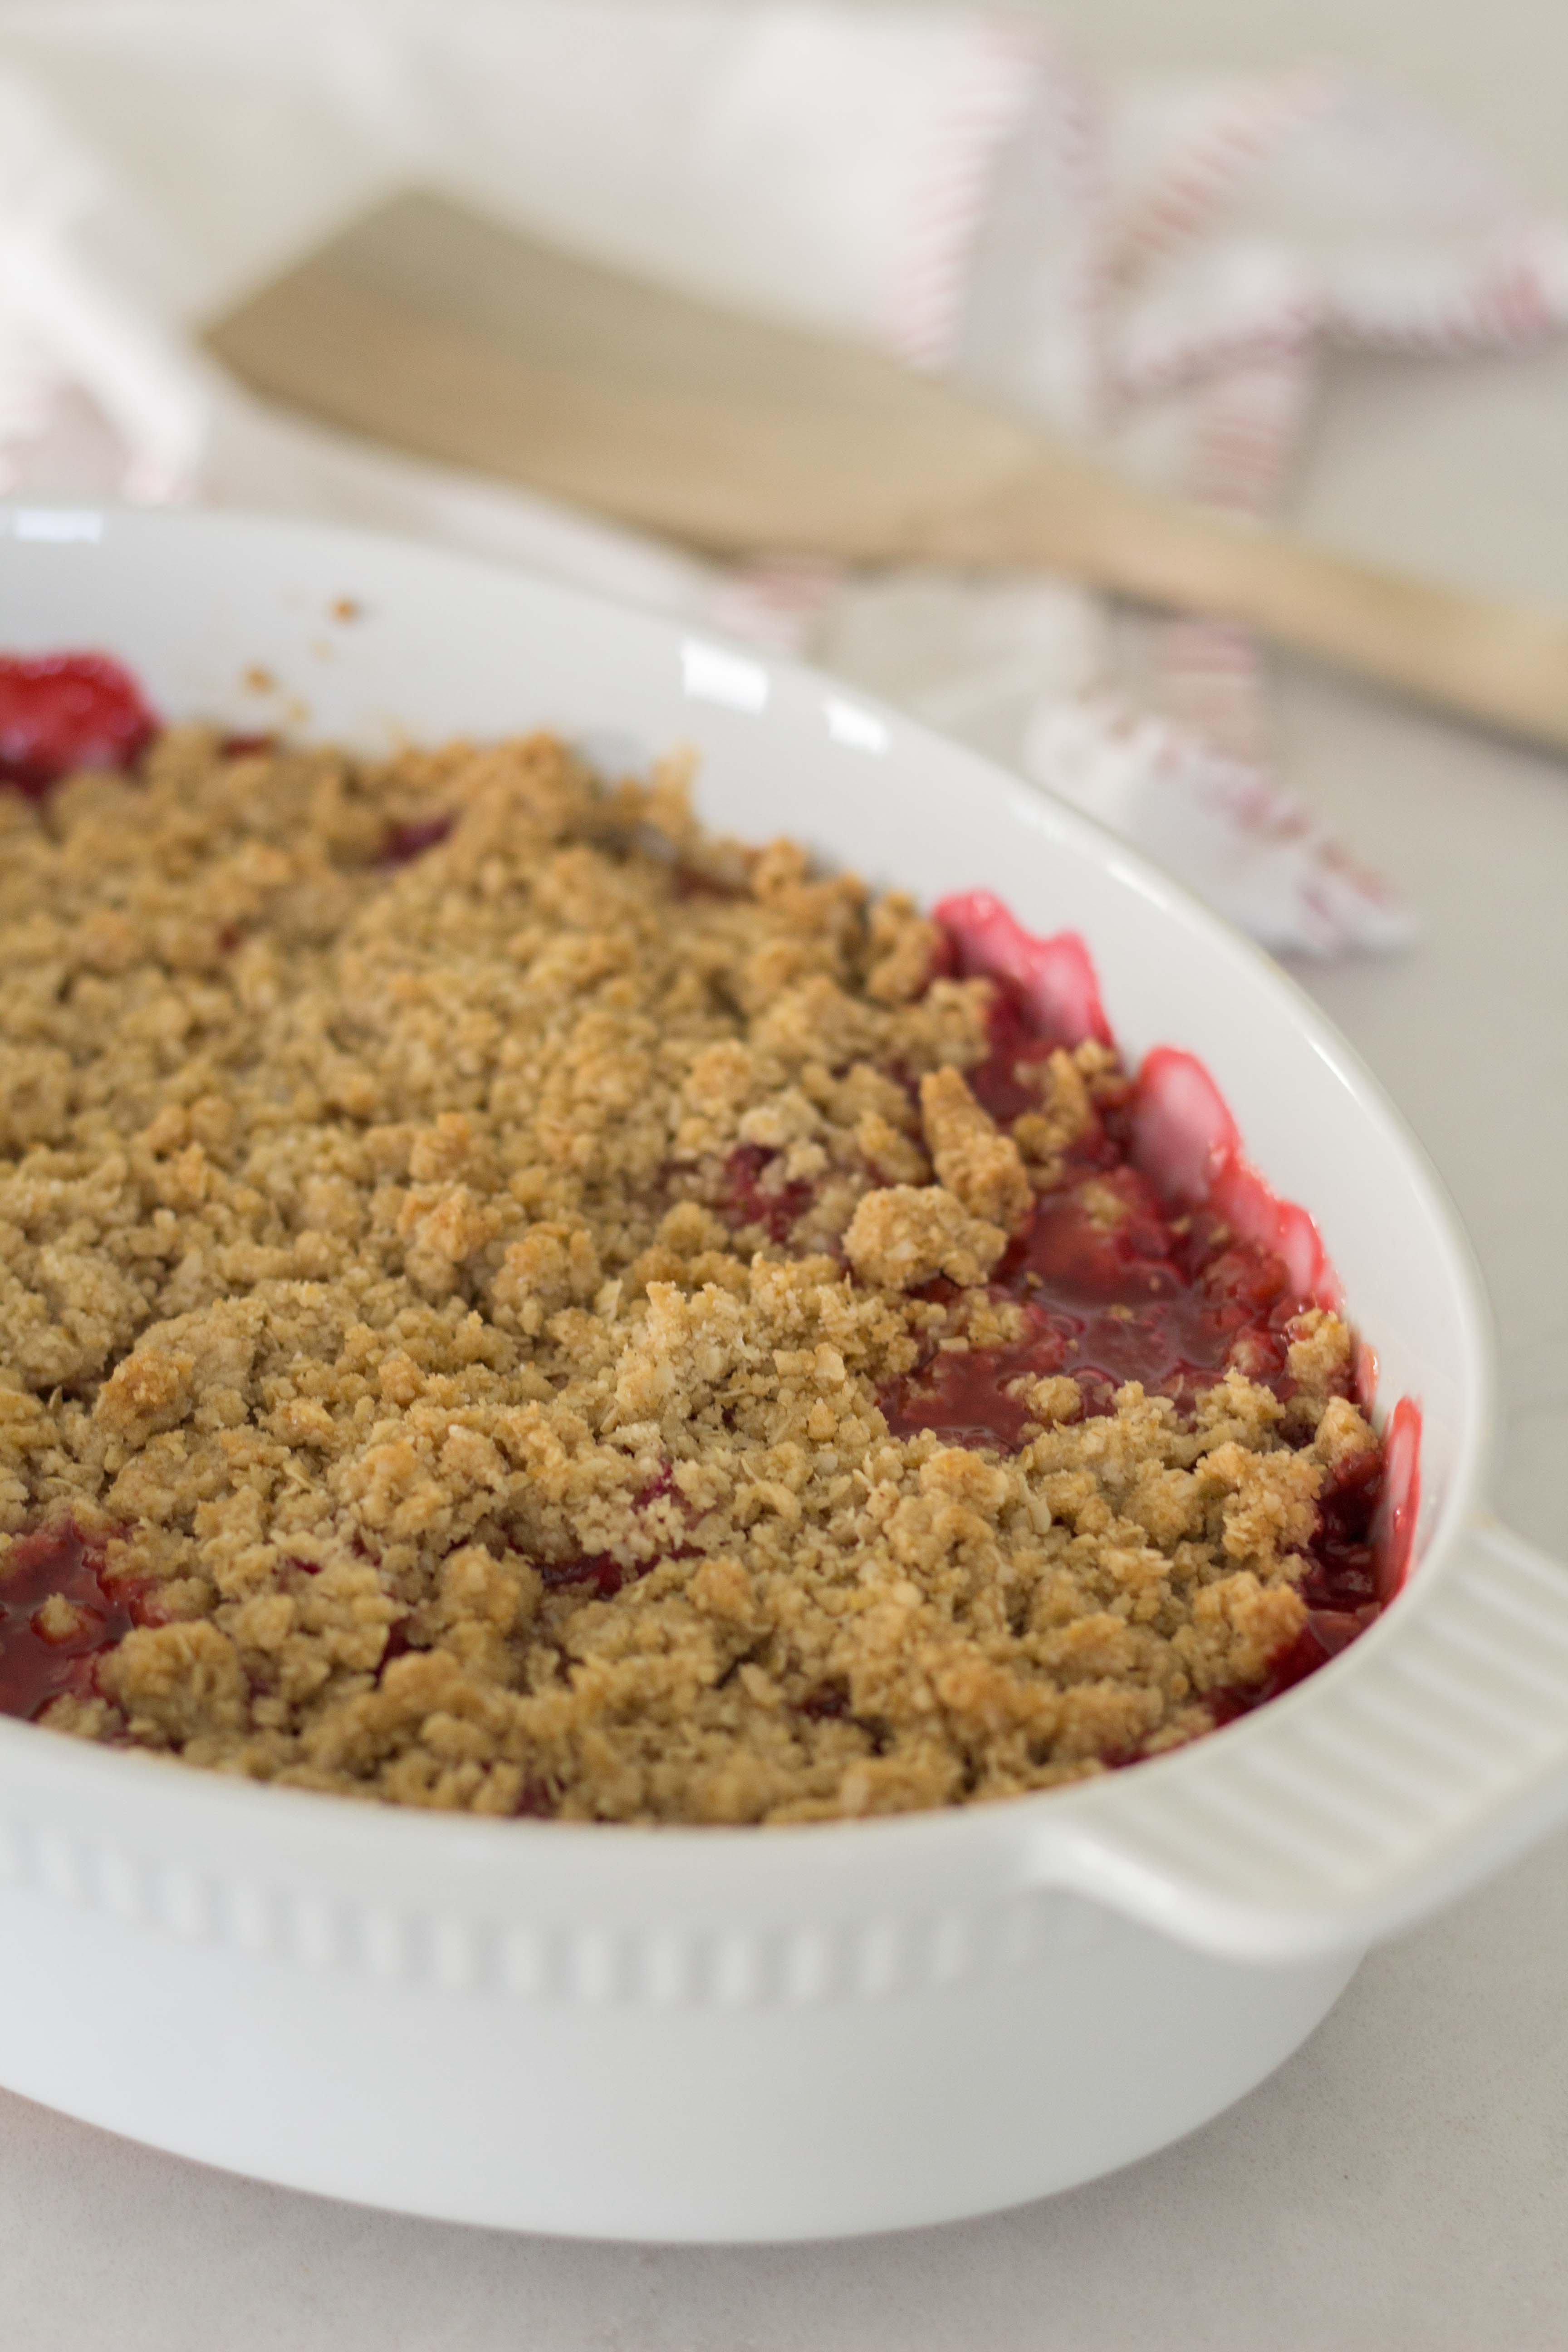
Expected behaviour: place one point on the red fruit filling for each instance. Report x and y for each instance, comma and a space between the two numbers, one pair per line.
749, 1199
1115, 1282
1052, 980
59, 712
40, 1662
1340, 1589
1176, 1262
601, 1570
407, 842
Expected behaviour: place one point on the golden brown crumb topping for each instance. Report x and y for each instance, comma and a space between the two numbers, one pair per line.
455, 1291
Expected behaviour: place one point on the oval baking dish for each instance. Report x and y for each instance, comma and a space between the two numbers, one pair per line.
722, 2034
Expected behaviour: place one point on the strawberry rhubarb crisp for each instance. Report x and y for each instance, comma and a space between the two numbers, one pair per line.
510, 1302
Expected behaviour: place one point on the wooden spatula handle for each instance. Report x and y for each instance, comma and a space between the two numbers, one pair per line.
1502, 664
465, 341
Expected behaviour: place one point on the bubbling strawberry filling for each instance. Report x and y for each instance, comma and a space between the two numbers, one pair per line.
752, 1198
1118, 1281
59, 712
601, 1572
1341, 1587
59, 1610
1120, 1277
1165, 1300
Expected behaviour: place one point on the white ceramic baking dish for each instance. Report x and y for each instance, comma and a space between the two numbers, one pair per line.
731, 2035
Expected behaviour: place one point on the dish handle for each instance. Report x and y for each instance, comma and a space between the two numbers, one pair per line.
1427, 1755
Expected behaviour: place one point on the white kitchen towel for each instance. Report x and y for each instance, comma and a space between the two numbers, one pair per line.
1155, 269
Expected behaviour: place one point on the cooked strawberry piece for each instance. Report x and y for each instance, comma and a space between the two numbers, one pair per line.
59, 712
59, 1610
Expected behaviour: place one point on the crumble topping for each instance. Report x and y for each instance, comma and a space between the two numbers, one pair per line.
902, 1235
494, 1286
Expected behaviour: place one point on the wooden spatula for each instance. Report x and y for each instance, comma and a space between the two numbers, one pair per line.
465, 341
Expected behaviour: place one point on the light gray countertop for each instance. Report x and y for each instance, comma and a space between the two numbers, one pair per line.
1403, 2181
